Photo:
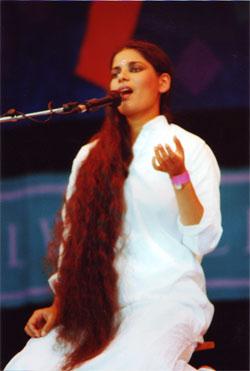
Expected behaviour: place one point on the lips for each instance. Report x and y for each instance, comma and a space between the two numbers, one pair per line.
125, 91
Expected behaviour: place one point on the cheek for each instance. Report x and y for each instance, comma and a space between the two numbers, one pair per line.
149, 84
112, 85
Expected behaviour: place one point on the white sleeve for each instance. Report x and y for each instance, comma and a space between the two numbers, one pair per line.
80, 157
205, 177
52, 282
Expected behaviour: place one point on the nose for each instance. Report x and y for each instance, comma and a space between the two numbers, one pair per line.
123, 75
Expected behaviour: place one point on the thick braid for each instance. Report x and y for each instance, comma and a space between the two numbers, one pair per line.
87, 287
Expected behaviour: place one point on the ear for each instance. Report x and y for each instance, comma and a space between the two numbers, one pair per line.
164, 82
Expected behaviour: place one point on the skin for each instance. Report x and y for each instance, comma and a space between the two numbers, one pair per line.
131, 69
42, 321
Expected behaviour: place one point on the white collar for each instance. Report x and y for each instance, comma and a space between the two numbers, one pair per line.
151, 126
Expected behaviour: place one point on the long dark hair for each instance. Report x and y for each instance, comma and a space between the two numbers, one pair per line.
87, 289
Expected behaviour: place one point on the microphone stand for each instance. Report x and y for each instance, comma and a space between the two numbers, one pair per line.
73, 107
113, 98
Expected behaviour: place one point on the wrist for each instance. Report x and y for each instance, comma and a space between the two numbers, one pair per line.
179, 180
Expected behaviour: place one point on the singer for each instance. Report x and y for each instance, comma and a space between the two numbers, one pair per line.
141, 209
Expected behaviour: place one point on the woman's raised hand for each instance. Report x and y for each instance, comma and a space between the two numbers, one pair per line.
168, 161
42, 321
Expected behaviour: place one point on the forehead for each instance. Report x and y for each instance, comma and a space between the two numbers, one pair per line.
126, 56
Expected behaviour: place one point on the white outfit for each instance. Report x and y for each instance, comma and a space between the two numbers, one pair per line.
162, 285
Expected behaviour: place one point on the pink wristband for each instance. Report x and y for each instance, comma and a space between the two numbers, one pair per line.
180, 179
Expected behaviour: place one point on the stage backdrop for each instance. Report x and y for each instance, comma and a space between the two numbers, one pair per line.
59, 51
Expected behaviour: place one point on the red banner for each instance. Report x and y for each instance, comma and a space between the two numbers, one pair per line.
110, 24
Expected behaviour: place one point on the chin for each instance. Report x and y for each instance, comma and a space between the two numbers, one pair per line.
127, 111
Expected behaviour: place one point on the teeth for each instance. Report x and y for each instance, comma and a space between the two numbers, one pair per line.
126, 90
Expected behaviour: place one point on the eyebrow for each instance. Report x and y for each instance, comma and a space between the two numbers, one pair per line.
115, 68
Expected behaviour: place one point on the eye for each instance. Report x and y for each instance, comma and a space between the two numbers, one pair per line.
135, 69
114, 73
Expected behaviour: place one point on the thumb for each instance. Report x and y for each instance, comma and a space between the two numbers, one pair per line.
179, 148
48, 325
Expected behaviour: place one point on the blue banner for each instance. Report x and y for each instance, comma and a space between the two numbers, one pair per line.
28, 208
29, 205
227, 267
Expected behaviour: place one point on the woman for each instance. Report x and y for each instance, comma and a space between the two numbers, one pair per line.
142, 207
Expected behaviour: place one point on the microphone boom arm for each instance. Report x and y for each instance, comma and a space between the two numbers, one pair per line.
113, 98
15, 118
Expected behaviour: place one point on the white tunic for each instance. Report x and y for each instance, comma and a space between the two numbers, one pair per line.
162, 285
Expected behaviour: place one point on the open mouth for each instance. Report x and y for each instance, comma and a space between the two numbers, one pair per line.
125, 92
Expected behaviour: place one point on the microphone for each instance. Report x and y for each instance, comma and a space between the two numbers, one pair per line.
113, 98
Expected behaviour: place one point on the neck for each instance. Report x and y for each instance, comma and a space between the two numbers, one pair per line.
136, 124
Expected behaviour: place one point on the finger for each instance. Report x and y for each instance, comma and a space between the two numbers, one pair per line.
167, 157
160, 160
48, 325
165, 162
161, 152
171, 153
28, 332
34, 324
178, 144
155, 164
51, 321
32, 331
